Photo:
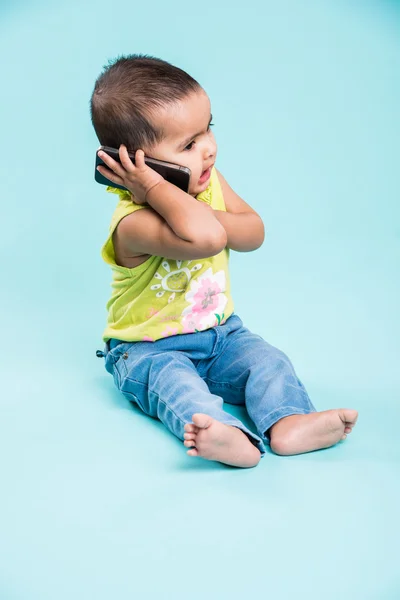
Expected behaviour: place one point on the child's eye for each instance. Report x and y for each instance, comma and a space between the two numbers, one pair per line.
190, 146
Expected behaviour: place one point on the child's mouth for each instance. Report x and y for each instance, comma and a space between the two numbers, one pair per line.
205, 175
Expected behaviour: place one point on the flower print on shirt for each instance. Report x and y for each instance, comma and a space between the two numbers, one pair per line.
207, 301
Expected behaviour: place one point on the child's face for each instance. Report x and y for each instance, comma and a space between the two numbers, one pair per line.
189, 141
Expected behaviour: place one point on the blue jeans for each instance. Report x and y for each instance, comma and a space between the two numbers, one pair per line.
175, 377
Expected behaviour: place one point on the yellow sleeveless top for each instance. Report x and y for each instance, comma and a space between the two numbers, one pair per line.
162, 296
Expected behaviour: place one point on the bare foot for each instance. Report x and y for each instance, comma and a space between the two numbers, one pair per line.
213, 440
304, 433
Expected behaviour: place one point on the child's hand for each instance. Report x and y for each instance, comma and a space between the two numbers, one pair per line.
138, 178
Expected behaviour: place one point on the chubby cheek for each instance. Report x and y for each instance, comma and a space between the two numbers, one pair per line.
193, 188
195, 167
194, 178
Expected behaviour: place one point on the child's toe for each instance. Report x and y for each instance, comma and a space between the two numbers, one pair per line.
190, 428
189, 443
192, 452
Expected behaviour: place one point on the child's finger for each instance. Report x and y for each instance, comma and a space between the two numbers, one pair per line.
125, 159
139, 159
110, 175
112, 164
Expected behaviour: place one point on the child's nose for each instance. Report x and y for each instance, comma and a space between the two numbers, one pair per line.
209, 152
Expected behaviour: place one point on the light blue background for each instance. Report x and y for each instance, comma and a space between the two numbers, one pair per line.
99, 502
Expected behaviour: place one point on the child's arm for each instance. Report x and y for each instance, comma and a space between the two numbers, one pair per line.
189, 219
243, 226
175, 226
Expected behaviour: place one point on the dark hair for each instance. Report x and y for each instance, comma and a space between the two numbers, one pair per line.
128, 92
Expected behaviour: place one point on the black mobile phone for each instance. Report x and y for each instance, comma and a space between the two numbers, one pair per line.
179, 176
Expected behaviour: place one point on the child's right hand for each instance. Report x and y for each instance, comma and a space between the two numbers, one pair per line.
138, 178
